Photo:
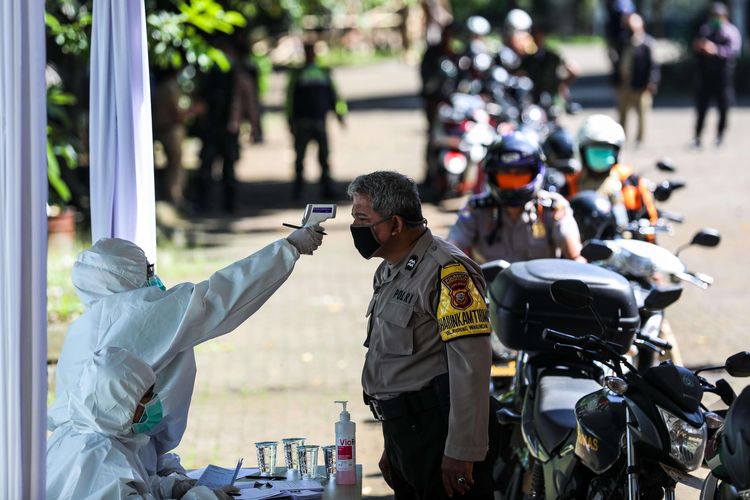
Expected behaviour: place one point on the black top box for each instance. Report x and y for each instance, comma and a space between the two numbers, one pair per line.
521, 305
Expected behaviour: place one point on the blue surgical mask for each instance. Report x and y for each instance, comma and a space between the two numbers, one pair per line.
156, 281
152, 278
600, 158
152, 415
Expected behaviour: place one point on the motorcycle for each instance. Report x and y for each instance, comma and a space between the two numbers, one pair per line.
728, 450
648, 266
643, 432
460, 143
536, 418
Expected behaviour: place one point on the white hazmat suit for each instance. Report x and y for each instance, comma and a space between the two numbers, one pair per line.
163, 327
95, 454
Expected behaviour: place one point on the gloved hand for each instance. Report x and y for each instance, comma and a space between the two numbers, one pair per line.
306, 239
182, 486
226, 492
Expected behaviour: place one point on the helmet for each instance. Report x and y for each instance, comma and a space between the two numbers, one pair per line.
477, 25
593, 213
560, 152
735, 441
514, 169
517, 20
599, 142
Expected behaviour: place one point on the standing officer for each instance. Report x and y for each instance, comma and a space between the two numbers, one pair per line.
515, 219
426, 371
311, 94
717, 46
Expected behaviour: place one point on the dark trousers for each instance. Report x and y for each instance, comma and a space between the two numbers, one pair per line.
718, 89
226, 146
306, 131
414, 446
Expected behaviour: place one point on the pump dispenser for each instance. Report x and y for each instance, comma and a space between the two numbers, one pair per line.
346, 456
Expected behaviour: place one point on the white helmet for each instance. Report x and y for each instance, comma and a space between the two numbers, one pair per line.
600, 139
517, 20
478, 25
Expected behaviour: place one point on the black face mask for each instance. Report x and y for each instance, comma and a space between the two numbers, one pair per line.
364, 238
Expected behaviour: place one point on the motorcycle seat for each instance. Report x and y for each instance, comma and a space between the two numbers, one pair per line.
555, 407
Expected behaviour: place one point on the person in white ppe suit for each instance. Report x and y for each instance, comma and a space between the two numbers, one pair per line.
124, 309
95, 454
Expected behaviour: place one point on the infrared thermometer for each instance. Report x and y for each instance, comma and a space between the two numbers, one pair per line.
315, 213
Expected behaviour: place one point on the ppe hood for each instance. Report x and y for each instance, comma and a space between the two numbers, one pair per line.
112, 384
110, 266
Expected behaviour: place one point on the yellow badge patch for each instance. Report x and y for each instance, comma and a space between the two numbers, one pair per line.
461, 311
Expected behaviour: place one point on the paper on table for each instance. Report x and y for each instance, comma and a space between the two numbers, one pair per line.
217, 477
244, 471
304, 484
257, 494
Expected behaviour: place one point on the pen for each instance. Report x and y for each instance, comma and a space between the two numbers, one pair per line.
300, 227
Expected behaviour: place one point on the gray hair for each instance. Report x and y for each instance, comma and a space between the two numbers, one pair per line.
391, 193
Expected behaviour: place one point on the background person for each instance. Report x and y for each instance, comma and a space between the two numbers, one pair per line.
636, 75
127, 306
716, 47
311, 94
426, 371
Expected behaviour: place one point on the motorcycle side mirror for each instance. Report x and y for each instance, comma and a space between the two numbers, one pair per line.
738, 365
659, 298
573, 108
491, 269
595, 250
666, 165
664, 189
574, 294
706, 238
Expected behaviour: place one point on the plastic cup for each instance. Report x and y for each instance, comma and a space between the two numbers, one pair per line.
329, 458
291, 447
308, 460
266, 457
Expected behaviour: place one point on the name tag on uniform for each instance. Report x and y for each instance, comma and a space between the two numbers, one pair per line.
403, 296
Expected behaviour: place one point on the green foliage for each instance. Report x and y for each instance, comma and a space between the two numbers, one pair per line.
60, 143
179, 38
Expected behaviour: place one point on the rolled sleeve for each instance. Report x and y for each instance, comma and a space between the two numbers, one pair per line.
469, 361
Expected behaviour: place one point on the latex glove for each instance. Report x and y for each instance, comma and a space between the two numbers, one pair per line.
226, 492
182, 486
306, 239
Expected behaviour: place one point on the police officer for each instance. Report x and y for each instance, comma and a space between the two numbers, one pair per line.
515, 219
426, 371
311, 94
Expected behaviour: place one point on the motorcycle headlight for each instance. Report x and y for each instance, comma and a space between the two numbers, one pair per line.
686, 443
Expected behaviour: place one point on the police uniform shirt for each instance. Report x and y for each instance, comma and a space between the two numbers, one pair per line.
532, 236
427, 317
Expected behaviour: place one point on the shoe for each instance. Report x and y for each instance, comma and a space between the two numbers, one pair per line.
719, 141
695, 144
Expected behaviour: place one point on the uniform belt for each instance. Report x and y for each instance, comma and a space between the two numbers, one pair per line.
408, 403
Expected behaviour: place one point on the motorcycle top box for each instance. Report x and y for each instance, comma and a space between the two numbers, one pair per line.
521, 305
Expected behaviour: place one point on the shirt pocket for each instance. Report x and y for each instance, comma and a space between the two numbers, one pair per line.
396, 336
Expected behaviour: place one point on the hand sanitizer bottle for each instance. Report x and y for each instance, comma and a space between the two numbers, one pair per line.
346, 456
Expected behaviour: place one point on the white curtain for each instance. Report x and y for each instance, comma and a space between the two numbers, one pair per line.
23, 250
122, 165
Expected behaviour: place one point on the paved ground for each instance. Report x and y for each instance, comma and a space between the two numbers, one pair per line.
278, 374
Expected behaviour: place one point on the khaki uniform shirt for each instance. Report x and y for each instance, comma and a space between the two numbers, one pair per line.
540, 232
427, 317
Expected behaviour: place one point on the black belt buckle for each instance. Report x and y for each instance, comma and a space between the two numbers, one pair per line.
376, 409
